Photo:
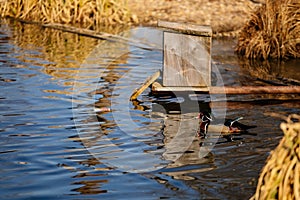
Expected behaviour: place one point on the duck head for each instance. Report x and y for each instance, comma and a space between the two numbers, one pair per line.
206, 118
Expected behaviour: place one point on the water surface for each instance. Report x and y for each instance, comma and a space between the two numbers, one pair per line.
55, 145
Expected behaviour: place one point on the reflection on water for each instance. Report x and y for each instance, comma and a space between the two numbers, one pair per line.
274, 72
55, 146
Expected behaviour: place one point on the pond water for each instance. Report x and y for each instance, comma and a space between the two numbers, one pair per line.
56, 144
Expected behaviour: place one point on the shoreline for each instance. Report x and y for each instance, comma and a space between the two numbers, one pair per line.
225, 17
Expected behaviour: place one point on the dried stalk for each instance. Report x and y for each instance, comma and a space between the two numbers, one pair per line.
272, 32
280, 177
87, 13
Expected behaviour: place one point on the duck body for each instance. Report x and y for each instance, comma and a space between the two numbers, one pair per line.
230, 126
235, 126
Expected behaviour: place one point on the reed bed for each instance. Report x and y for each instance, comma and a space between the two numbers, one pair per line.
86, 13
280, 178
272, 32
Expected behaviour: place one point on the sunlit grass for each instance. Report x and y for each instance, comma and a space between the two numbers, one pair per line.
86, 13
272, 32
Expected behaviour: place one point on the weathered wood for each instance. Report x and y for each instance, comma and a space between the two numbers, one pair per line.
187, 60
191, 29
256, 90
156, 87
94, 34
147, 83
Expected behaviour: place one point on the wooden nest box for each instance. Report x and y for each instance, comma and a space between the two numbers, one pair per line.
187, 55
186, 62
187, 65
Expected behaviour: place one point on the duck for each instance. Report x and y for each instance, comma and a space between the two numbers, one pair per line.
230, 126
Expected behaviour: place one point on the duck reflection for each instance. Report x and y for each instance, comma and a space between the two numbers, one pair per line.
182, 148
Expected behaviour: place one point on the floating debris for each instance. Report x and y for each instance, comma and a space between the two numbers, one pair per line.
102, 109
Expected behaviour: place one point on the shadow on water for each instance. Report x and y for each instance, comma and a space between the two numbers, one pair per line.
54, 144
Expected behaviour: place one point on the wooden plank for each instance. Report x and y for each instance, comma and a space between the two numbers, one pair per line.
143, 87
94, 34
187, 60
256, 90
156, 87
191, 29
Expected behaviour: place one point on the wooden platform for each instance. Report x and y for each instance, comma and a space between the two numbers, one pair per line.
187, 66
157, 89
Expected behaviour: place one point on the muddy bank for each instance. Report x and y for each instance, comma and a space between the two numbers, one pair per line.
224, 16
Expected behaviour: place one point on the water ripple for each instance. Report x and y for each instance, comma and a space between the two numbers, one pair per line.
54, 144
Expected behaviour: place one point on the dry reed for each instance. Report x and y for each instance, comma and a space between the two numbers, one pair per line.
280, 178
86, 13
272, 32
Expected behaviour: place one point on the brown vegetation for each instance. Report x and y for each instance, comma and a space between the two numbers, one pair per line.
86, 13
280, 178
225, 17
272, 32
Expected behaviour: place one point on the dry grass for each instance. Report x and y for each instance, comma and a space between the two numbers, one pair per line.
272, 32
280, 178
87, 13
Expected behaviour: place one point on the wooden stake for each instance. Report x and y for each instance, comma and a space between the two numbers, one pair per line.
147, 83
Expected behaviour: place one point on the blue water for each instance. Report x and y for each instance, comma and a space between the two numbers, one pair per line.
55, 145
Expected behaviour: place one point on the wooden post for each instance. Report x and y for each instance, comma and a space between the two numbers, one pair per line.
187, 57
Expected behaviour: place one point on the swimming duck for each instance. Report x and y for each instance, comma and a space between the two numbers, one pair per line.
230, 126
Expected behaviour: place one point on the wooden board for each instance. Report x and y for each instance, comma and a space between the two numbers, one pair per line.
256, 90
143, 87
156, 87
187, 60
191, 29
